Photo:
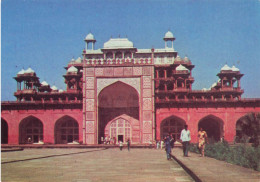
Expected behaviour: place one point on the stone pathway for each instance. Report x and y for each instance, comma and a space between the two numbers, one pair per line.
88, 165
212, 170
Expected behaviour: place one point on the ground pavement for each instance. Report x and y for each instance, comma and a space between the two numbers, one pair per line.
212, 170
87, 165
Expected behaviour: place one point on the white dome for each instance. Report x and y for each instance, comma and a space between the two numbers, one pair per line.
213, 85
72, 69
181, 68
78, 60
234, 68
204, 89
186, 59
118, 43
29, 70
90, 36
178, 58
60, 90
44, 83
21, 72
168, 35
54, 87
225, 68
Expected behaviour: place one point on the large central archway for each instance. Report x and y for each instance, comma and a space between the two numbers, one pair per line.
30, 130
115, 100
213, 126
172, 125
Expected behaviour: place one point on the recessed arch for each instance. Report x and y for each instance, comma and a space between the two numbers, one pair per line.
114, 100
172, 125
30, 130
213, 125
66, 130
4, 131
247, 128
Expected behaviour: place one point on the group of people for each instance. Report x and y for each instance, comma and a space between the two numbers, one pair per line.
185, 138
121, 144
108, 140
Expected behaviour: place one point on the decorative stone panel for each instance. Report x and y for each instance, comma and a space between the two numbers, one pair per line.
89, 126
108, 71
147, 93
147, 127
147, 82
147, 70
147, 115
147, 104
90, 139
90, 105
118, 71
147, 138
90, 115
137, 71
128, 71
90, 83
89, 71
90, 94
99, 71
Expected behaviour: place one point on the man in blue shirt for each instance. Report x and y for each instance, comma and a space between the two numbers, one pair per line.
185, 138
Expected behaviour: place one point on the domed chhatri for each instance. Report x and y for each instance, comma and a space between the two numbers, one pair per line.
21, 72
90, 36
90, 40
44, 83
72, 69
181, 68
54, 88
225, 68
234, 68
29, 70
169, 38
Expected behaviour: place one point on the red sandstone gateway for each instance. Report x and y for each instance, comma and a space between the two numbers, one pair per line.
122, 92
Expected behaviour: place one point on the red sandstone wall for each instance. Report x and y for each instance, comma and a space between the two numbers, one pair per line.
192, 117
48, 118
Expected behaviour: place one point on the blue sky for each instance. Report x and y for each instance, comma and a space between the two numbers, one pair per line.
46, 34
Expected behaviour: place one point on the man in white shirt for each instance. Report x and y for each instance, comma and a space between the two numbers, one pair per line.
185, 138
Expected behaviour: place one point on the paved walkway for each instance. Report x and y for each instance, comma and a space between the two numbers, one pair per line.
212, 170
88, 165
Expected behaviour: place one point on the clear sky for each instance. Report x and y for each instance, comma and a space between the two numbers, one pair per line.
46, 34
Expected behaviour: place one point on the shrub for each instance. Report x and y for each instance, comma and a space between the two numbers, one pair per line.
242, 154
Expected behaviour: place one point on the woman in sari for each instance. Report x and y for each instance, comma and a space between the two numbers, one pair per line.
202, 141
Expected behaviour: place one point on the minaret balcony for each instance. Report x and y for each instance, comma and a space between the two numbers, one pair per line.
25, 91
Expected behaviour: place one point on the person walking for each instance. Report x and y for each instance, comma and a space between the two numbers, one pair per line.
172, 141
161, 144
202, 141
168, 147
185, 138
120, 145
128, 144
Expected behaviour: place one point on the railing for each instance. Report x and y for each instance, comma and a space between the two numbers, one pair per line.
136, 61
42, 102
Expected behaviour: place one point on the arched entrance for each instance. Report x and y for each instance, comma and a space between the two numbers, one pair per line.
172, 125
66, 130
247, 128
213, 126
115, 100
4, 132
30, 130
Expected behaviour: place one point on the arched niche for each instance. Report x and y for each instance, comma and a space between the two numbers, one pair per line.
213, 126
247, 128
172, 125
4, 131
66, 130
30, 130
115, 100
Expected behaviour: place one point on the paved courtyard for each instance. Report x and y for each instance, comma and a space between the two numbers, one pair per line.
87, 165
